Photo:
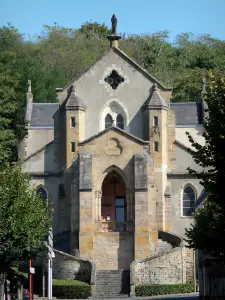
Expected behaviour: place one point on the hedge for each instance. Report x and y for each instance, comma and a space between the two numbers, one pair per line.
70, 289
163, 289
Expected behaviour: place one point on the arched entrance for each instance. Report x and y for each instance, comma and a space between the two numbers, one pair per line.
113, 203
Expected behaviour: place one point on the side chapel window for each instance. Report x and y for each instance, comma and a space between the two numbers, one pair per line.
120, 121
189, 201
108, 121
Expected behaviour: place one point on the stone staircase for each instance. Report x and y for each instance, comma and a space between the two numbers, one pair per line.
112, 283
163, 247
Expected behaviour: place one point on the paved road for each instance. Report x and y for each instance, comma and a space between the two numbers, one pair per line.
193, 296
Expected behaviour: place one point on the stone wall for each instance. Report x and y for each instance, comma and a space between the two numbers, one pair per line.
167, 268
66, 266
189, 264
113, 250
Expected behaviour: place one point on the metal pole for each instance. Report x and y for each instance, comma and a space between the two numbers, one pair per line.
51, 277
43, 281
30, 280
49, 280
50, 251
194, 270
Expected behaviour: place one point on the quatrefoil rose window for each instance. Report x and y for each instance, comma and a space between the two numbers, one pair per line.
114, 79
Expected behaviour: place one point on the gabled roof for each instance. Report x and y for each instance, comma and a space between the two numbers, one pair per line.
42, 114
181, 145
187, 113
130, 61
118, 130
74, 102
38, 151
155, 100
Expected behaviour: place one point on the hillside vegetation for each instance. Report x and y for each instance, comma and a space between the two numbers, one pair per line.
53, 58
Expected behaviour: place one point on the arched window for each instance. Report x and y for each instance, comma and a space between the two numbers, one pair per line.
189, 201
42, 192
114, 111
120, 121
108, 121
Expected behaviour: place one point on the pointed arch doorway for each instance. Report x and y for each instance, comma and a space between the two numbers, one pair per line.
114, 202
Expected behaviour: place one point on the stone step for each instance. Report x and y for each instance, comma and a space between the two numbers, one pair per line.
112, 283
163, 247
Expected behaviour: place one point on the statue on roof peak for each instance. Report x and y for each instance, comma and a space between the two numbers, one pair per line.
114, 24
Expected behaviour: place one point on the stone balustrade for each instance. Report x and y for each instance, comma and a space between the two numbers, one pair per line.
114, 226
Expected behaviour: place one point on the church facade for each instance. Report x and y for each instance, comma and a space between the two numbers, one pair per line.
112, 156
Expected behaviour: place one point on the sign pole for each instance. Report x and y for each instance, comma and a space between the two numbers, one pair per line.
50, 256
30, 280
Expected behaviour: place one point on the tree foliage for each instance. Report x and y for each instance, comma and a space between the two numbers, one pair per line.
24, 218
11, 99
208, 232
53, 58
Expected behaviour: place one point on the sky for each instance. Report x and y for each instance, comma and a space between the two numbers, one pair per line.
134, 16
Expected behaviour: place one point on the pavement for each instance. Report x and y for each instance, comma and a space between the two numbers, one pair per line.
190, 296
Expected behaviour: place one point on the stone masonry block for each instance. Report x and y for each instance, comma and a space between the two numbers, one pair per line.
141, 171
85, 176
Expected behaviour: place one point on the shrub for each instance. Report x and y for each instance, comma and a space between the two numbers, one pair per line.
70, 289
163, 289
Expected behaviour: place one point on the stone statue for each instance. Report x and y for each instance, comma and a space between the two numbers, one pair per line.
114, 23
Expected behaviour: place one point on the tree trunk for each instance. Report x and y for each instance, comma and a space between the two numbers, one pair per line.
3, 273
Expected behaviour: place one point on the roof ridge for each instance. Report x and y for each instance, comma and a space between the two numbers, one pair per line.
184, 103
113, 128
45, 103
142, 69
125, 56
37, 151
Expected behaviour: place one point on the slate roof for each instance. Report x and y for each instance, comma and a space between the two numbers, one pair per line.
156, 101
74, 101
42, 114
187, 113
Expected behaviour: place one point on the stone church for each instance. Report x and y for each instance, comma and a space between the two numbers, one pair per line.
112, 157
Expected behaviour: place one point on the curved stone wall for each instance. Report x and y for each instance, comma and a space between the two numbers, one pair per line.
66, 266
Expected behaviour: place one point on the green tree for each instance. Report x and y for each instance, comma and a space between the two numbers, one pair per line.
12, 93
94, 29
24, 219
208, 231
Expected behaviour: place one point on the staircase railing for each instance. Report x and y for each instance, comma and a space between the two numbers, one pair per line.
114, 226
171, 238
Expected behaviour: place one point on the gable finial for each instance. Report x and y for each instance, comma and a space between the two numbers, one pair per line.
73, 88
154, 87
203, 86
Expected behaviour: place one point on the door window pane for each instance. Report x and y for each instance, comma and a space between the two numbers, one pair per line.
120, 214
119, 202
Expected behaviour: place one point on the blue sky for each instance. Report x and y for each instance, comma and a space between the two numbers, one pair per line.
134, 16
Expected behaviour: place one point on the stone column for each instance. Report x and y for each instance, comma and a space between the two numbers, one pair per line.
141, 234
86, 238
98, 202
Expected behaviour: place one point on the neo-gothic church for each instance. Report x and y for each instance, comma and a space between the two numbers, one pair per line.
112, 156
